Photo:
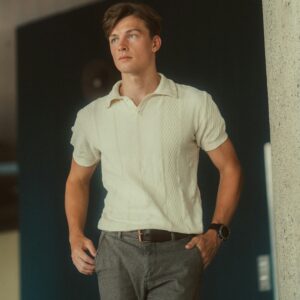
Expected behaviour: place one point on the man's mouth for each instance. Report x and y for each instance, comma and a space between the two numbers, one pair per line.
124, 58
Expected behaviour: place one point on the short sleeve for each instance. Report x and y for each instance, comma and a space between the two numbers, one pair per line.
85, 152
211, 129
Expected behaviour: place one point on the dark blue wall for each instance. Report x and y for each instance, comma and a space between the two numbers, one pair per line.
214, 45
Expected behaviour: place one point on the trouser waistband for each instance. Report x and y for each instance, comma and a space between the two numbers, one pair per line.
154, 235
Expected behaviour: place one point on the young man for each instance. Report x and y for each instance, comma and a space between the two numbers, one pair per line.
147, 132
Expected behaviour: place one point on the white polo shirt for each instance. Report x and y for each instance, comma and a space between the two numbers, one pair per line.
149, 155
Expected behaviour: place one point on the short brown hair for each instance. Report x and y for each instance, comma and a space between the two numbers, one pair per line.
140, 10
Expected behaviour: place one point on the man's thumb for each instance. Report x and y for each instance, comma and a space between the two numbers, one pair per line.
190, 244
91, 248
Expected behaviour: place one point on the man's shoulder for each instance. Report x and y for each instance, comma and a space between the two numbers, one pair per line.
190, 89
191, 93
95, 106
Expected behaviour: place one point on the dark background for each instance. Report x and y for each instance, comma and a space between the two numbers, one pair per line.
213, 45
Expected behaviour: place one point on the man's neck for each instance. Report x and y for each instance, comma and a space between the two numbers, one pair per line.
137, 86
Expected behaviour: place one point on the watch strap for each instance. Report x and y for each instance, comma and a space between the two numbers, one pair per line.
222, 230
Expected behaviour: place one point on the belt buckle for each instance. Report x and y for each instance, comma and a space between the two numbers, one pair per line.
140, 234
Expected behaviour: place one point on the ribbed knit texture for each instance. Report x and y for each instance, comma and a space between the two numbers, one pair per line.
149, 155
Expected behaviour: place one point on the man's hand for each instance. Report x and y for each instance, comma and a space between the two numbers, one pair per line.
208, 243
81, 247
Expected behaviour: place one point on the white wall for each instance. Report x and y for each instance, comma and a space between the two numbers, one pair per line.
9, 262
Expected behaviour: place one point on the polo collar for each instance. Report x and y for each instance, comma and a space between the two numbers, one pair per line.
166, 87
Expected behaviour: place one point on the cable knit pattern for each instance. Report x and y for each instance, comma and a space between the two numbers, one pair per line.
149, 155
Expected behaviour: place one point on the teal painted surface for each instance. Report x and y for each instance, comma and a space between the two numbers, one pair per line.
213, 45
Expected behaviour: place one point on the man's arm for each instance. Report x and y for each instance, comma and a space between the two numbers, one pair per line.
227, 163
76, 204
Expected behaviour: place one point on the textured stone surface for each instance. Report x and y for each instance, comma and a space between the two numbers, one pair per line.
282, 46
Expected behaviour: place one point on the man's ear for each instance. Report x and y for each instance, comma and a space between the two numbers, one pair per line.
156, 43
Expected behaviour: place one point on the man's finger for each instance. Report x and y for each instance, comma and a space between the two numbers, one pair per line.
86, 258
91, 248
88, 268
191, 243
86, 271
83, 267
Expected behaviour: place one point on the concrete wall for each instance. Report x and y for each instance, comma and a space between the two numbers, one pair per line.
282, 45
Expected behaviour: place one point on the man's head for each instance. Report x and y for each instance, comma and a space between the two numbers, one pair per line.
142, 11
133, 31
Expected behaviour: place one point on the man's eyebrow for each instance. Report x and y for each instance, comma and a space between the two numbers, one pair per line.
127, 31
134, 29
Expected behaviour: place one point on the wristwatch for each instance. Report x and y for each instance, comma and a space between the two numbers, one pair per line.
222, 230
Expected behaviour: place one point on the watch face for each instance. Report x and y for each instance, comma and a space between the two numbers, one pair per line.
224, 232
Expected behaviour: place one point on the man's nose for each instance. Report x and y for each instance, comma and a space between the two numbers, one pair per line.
122, 45
122, 48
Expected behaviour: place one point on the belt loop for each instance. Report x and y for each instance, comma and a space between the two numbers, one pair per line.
120, 235
140, 235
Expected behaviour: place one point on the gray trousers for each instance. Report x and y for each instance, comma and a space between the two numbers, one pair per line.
128, 269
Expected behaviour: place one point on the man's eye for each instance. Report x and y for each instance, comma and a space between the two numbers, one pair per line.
132, 35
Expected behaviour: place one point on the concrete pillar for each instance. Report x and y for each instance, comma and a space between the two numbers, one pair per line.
282, 47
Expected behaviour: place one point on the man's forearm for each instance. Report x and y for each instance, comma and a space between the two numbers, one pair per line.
76, 205
228, 194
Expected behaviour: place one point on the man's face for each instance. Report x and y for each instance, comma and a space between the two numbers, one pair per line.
132, 48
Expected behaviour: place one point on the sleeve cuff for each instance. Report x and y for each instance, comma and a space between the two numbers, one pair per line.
84, 162
216, 143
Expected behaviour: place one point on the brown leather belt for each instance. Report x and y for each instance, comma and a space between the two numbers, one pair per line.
157, 235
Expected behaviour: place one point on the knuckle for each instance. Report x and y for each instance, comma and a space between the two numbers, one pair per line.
87, 241
201, 243
194, 240
75, 252
81, 269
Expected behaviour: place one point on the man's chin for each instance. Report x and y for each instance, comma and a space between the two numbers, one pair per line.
127, 70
